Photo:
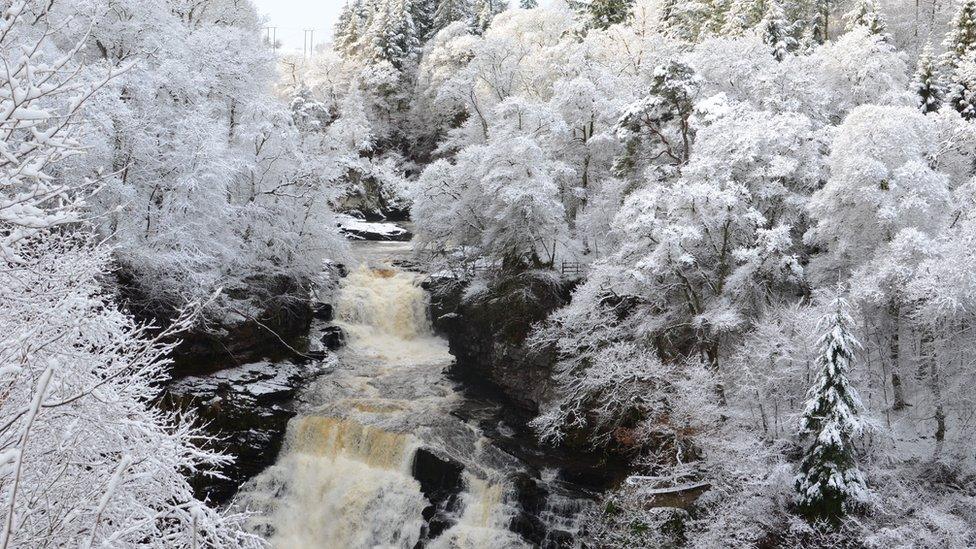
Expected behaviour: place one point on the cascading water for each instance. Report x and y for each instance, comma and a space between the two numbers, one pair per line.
346, 477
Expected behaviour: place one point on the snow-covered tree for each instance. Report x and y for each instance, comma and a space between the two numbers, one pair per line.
927, 83
960, 41
499, 200
485, 11
820, 16
775, 32
605, 13
960, 61
451, 11
349, 26
867, 14
87, 460
829, 483
876, 191
528, 4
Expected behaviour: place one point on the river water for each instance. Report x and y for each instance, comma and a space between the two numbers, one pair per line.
378, 456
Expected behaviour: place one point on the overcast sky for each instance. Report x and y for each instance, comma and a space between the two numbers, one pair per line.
292, 16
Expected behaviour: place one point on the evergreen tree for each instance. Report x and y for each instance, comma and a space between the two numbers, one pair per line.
392, 35
829, 481
960, 61
485, 11
867, 14
775, 31
743, 15
423, 12
927, 85
960, 42
529, 4
449, 11
821, 19
605, 13
349, 27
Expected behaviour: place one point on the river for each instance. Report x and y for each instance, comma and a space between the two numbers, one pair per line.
379, 455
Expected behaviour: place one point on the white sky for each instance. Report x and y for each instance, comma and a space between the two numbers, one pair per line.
292, 16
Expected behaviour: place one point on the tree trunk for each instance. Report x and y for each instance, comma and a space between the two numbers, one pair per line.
935, 383
711, 354
893, 354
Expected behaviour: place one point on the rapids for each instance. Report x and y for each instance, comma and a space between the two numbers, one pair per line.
347, 476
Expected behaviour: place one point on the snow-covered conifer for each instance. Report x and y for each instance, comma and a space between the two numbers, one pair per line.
486, 10
775, 32
927, 83
604, 13
960, 41
451, 11
866, 13
829, 483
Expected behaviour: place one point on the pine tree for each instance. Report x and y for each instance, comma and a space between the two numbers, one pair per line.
743, 15
423, 12
485, 11
821, 19
829, 482
449, 11
867, 14
774, 30
927, 85
392, 35
348, 27
605, 13
960, 42
960, 61
529, 4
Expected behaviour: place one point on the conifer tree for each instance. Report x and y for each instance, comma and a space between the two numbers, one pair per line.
821, 20
485, 11
867, 14
743, 15
422, 12
926, 84
349, 27
774, 29
449, 11
829, 481
605, 13
529, 4
392, 35
960, 42
960, 61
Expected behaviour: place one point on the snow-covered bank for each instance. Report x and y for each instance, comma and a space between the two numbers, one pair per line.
359, 229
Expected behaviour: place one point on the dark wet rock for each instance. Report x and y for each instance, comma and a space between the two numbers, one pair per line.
531, 501
323, 311
441, 483
270, 316
486, 332
247, 408
333, 337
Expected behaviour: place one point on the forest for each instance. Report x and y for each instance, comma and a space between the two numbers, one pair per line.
730, 241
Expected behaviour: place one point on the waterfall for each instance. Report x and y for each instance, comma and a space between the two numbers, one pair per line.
382, 302
344, 478
346, 485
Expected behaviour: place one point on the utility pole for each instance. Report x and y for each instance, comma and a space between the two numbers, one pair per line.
308, 43
271, 35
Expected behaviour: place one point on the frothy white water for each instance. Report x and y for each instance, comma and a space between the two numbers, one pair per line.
344, 476
484, 519
347, 485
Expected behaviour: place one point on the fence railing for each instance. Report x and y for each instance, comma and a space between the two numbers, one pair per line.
568, 269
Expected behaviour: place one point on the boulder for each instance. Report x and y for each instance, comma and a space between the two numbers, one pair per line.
333, 338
